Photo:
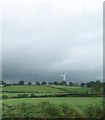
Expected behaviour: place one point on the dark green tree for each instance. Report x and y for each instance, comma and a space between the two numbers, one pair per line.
51, 83
56, 83
3, 82
90, 84
21, 82
44, 83
70, 83
29, 83
63, 83
96, 87
82, 84
37, 83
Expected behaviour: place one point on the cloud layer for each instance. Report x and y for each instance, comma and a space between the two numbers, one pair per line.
43, 39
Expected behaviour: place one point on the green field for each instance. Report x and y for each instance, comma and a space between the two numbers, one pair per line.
44, 89
75, 107
10, 94
15, 90
71, 89
16, 106
28, 88
73, 101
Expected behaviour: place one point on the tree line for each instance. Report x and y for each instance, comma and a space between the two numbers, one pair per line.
82, 84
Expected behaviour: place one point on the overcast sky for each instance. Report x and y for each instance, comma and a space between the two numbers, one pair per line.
45, 38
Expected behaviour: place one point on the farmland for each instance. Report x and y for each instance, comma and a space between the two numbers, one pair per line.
42, 90
33, 96
27, 88
72, 101
53, 108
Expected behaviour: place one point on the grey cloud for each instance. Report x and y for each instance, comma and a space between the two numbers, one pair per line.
43, 40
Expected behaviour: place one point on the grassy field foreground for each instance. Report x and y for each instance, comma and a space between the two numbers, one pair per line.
73, 101
69, 107
45, 89
16, 90
50, 107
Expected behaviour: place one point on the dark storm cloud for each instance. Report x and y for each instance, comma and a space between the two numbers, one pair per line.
43, 39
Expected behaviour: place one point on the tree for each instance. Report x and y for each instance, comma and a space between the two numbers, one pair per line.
3, 83
21, 82
56, 83
50, 83
90, 84
37, 83
82, 84
44, 83
29, 83
32, 95
96, 86
63, 83
98, 83
70, 83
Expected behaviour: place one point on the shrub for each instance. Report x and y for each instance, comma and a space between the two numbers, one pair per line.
32, 95
69, 112
94, 112
22, 95
5, 96
48, 110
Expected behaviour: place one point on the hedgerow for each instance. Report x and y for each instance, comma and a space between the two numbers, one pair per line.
50, 110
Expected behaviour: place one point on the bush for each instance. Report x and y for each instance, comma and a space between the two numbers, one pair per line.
5, 96
49, 110
69, 112
40, 110
22, 95
94, 112
32, 95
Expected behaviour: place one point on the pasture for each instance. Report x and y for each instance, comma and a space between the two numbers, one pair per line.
31, 88
69, 107
41, 90
72, 101
44, 89
79, 104
72, 89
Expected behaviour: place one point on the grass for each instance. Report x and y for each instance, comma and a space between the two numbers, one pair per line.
28, 88
74, 101
9, 94
71, 89
78, 103
13, 91
45, 89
